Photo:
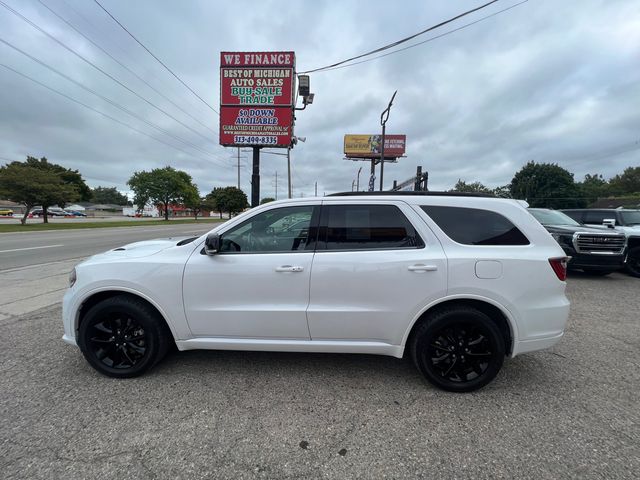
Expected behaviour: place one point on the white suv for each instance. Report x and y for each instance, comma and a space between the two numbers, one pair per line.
455, 282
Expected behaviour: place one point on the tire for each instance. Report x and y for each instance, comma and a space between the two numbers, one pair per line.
123, 337
596, 273
633, 262
443, 343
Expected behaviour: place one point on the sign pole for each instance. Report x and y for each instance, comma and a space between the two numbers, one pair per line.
289, 171
255, 178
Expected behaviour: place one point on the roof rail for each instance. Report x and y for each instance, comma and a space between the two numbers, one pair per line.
430, 193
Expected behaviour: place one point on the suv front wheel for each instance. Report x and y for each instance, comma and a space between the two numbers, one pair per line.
123, 337
458, 349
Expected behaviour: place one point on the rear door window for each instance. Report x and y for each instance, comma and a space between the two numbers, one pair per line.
366, 227
473, 226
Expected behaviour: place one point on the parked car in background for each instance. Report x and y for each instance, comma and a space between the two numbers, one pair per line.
51, 212
594, 250
6, 212
75, 213
455, 282
620, 219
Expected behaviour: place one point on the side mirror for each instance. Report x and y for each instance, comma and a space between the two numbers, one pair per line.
609, 222
212, 244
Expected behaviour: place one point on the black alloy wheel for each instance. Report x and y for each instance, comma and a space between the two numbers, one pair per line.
123, 336
118, 341
633, 262
459, 349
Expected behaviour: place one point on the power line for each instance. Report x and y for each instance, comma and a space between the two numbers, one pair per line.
70, 50
98, 111
403, 40
123, 65
157, 59
449, 32
111, 102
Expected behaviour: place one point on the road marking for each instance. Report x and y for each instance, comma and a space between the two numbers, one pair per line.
29, 248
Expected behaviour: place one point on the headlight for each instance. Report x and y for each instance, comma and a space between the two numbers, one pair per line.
72, 277
562, 239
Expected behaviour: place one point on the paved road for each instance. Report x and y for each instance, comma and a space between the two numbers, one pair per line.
34, 248
34, 265
570, 412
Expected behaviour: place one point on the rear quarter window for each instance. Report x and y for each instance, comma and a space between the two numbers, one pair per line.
474, 226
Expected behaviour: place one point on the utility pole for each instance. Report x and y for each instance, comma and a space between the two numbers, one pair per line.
353, 183
276, 184
316, 194
384, 116
358, 180
238, 168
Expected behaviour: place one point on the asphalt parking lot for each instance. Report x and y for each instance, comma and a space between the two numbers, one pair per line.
572, 411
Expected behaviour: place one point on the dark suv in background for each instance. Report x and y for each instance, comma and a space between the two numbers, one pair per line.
594, 250
620, 219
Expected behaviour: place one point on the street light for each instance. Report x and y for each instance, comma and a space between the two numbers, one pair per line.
384, 116
358, 181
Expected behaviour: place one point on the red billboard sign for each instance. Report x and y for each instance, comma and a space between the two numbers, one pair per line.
256, 98
256, 126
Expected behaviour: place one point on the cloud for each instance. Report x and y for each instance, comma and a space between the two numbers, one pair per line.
545, 81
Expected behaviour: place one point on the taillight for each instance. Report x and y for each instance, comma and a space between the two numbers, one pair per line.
559, 265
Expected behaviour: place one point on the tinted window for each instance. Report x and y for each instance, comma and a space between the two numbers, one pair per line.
630, 217
356, 227
279, 230
575, 214
472, 226
598, 216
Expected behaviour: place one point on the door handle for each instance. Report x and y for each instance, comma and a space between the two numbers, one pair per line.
289, 268
422, 268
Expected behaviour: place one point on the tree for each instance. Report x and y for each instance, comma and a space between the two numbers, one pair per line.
161, 186
475, 187
267, 200
628, 182
503, 192
228, 199
546, 185
108, 195
593, 187
38, 182
193, 201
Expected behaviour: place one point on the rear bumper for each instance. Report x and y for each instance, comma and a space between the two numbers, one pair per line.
524, 346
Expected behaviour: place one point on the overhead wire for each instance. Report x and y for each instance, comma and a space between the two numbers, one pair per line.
401, 41
89, 62
448, 32
98, 111
102, 97
156, 58
68, 23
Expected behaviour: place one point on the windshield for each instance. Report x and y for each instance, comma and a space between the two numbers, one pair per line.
552, 217
630, 217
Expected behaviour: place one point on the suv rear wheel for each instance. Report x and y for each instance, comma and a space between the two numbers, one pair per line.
123, 337
458, 349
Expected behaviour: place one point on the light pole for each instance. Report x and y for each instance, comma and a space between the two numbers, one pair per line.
294, 141
358, 181
384, 116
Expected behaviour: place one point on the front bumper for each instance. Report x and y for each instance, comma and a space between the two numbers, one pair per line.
68, 318
594, 261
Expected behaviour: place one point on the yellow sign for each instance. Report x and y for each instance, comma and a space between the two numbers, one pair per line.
370, 145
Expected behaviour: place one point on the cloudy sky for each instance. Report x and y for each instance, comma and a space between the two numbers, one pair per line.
548, 80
